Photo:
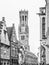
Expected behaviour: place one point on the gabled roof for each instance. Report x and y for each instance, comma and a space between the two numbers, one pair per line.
9, 31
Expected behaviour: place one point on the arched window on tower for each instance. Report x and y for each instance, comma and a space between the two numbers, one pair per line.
23, 18
22, 21
43, 27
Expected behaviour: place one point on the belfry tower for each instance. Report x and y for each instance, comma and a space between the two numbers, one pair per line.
23, 29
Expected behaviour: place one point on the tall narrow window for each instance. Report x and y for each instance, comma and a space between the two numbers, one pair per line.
25, 18
20, 18
5, 34
43, 27
4, 63
20, 29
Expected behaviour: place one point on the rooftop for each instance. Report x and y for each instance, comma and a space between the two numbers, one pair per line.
9, 31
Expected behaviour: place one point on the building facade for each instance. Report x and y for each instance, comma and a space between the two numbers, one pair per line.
21, 53
44, 34
4, 44
13, 45
29, 58
12, 51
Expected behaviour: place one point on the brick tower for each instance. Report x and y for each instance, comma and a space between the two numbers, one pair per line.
23, 29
